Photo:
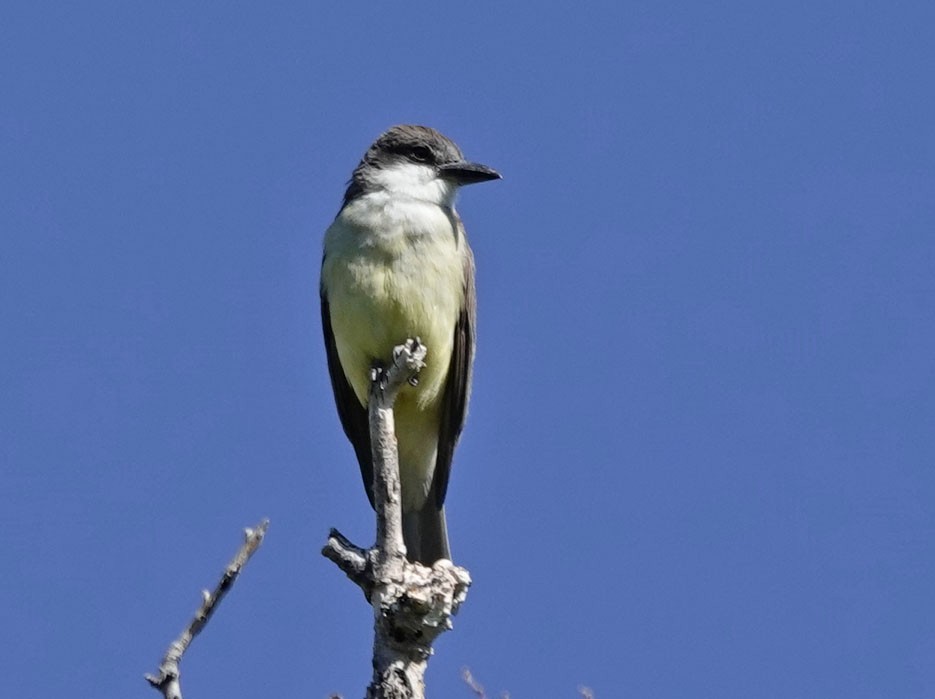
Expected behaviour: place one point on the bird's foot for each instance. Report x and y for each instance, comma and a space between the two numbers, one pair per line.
414, 348
408, 361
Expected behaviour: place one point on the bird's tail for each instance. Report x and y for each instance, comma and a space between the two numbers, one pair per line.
426, 534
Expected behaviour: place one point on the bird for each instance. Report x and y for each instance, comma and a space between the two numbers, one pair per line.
396, 265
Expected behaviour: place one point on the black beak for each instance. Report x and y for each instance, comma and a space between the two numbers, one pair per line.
468, 173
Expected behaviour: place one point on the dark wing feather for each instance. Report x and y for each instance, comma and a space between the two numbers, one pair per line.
458, 385
353, 415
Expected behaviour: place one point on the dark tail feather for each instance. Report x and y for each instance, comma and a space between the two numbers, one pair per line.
426, 534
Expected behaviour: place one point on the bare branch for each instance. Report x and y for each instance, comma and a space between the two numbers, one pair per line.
412, 604
408, 360
167, 680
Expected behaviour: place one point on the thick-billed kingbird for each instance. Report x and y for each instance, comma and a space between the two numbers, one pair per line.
396, 266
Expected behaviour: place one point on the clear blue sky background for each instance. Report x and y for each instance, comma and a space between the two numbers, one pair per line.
699, 460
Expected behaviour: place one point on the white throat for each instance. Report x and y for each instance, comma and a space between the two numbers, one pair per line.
404, 180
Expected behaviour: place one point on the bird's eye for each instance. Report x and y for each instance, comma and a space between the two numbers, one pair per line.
421, 154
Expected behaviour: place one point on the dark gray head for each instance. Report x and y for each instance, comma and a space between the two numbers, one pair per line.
415, 161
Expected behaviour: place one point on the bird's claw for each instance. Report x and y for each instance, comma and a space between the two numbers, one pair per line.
412, 346
378, 376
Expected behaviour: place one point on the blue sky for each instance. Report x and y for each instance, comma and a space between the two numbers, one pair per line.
699, 458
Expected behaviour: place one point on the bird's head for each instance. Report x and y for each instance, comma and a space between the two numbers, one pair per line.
416, 162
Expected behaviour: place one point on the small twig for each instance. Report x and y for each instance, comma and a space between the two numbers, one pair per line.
476, 686
472, 683
168, 676
350, 558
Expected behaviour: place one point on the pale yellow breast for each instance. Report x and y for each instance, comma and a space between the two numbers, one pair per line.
387, 284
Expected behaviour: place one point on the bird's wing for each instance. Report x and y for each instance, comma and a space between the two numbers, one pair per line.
458, 385
353, 415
